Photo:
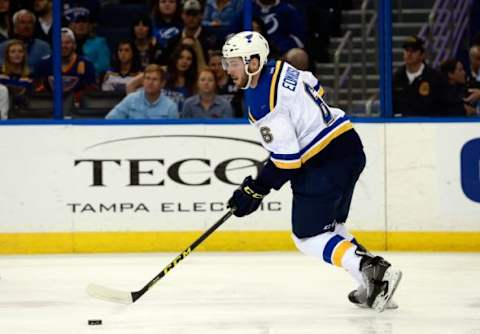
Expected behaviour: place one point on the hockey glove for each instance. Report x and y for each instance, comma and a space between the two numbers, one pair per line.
247, 198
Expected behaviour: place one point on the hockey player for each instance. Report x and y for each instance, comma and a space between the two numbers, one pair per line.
315, 147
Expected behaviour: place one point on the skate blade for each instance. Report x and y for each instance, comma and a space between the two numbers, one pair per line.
391, 305
393, 277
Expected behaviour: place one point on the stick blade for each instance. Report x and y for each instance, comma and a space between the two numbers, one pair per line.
111, 295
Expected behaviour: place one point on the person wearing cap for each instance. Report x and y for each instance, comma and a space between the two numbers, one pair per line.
192, 14
94, 48
418, 89
78, 73
23, 29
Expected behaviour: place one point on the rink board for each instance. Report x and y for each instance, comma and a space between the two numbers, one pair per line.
72, 188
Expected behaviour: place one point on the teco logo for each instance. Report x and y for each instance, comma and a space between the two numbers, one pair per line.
189, 171
470, 169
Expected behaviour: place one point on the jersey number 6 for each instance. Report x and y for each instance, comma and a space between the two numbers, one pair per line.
326, 114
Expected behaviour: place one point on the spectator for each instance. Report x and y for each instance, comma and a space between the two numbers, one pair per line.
206, 103
473, 77
126, 65
144, 40
4, 102
197, 47
23, 27
43, 25
182, 75
15, 73
192, 23
225, 86
166, 21
78, 73
461, 98
298, 58
92, 47
5, 20
146, 103
284, 24
418, 89
259, 26
221, 13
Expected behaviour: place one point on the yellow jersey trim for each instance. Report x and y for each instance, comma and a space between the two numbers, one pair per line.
287, 165
274, 85
326, 140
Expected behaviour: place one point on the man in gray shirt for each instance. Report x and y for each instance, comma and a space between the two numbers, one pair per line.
148, 102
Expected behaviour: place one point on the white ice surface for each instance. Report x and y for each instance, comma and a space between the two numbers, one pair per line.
234, 293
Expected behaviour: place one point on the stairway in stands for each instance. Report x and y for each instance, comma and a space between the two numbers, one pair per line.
414, 14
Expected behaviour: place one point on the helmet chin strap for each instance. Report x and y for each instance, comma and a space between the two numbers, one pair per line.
250, 75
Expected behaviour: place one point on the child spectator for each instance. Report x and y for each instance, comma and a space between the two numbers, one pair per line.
148, 102
92, 47
5, 20
221, 13
206, 103
126, 65
181, 75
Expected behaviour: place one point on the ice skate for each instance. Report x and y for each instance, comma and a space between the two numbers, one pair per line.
381, 281
358, 297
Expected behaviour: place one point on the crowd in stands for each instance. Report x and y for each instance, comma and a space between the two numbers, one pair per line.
449, 91
108, 45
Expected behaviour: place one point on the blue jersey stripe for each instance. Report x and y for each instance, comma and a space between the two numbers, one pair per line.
324, 133
293, 156
330, 246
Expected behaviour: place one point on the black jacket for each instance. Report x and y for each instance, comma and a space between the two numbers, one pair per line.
428, 95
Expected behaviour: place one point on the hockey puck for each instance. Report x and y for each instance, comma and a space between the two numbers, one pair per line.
94, 322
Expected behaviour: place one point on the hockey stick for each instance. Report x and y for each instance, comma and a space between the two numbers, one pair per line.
127, 297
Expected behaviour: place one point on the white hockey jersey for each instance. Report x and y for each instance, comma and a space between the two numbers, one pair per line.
293, 119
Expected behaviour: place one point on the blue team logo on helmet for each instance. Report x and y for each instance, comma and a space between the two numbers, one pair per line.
249, 38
